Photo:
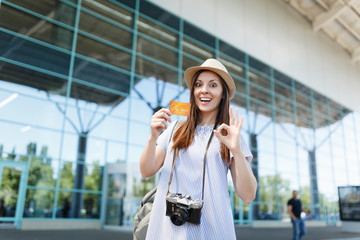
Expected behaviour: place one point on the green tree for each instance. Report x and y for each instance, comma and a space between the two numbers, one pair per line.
326, 206
41, 174
273, 190
93, 181
145, 185
305, 195
10, 185
66, 182
67, 176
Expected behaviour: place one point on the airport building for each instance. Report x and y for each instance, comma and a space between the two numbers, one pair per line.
80, 80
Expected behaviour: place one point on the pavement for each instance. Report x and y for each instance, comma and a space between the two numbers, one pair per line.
242, 233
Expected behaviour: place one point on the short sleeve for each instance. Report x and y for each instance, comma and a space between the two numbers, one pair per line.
244, 148
163, 140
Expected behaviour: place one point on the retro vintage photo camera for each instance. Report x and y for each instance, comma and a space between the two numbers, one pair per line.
181, 208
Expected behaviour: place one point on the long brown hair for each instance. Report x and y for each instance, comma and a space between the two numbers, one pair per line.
184, 136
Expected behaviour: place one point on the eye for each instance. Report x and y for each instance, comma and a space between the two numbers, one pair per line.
198, 84
213, 85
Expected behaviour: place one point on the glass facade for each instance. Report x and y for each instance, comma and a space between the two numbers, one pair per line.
79, 81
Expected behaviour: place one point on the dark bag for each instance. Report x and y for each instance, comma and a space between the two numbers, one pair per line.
142, 217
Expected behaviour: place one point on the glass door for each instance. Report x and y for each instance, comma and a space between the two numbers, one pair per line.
115, 199
12, 193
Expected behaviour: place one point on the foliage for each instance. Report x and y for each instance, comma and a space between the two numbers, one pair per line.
93, 181
67, 176
10, 185
145, 185
66, 182
273, 189
41, 175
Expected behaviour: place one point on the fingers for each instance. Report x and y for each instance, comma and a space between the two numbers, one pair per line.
160, 118
159, 122
224, 134
240, 122
231, 120
236, 118
223, 129
220, 130
218, 134
163, 113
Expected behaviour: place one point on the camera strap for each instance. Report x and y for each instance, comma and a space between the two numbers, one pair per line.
176, 153
174, 158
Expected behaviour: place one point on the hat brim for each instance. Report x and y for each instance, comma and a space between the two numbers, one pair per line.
190, 72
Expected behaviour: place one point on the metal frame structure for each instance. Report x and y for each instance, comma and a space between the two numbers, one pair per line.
166, 46
337, 19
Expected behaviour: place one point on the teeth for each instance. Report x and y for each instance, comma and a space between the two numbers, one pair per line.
205, 99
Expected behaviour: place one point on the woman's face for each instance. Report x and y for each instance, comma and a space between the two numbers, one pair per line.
208, 92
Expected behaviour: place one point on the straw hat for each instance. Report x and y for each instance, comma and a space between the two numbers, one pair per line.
214, 66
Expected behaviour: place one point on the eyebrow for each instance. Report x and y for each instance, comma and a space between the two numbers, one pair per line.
212, 80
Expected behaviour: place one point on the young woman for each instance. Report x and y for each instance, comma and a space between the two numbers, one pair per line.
211, 88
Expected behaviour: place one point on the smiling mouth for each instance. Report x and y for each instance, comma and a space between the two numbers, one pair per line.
206, 100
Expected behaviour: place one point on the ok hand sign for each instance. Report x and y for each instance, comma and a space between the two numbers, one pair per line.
230, 134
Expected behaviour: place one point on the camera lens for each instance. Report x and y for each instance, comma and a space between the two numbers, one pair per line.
179, 216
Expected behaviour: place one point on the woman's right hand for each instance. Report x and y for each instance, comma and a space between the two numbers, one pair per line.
159, 122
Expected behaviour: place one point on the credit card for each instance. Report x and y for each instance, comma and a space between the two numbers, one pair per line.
180, 108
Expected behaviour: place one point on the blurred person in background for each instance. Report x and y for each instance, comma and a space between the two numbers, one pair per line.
295, 208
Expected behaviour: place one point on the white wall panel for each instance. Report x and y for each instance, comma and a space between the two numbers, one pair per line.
201, 12
296, 50
256, 33
276, 34
315, 64
278, 44
233, 16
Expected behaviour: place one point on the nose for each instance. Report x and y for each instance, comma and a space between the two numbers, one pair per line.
204, 89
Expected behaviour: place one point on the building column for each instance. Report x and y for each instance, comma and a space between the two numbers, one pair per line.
79, 179
314, 190
255, 167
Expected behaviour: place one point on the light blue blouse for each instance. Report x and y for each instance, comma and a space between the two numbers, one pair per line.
216, 218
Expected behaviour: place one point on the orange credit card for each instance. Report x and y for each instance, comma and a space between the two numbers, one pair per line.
180, 108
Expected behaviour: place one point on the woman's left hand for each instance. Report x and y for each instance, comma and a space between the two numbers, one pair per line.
230, 134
